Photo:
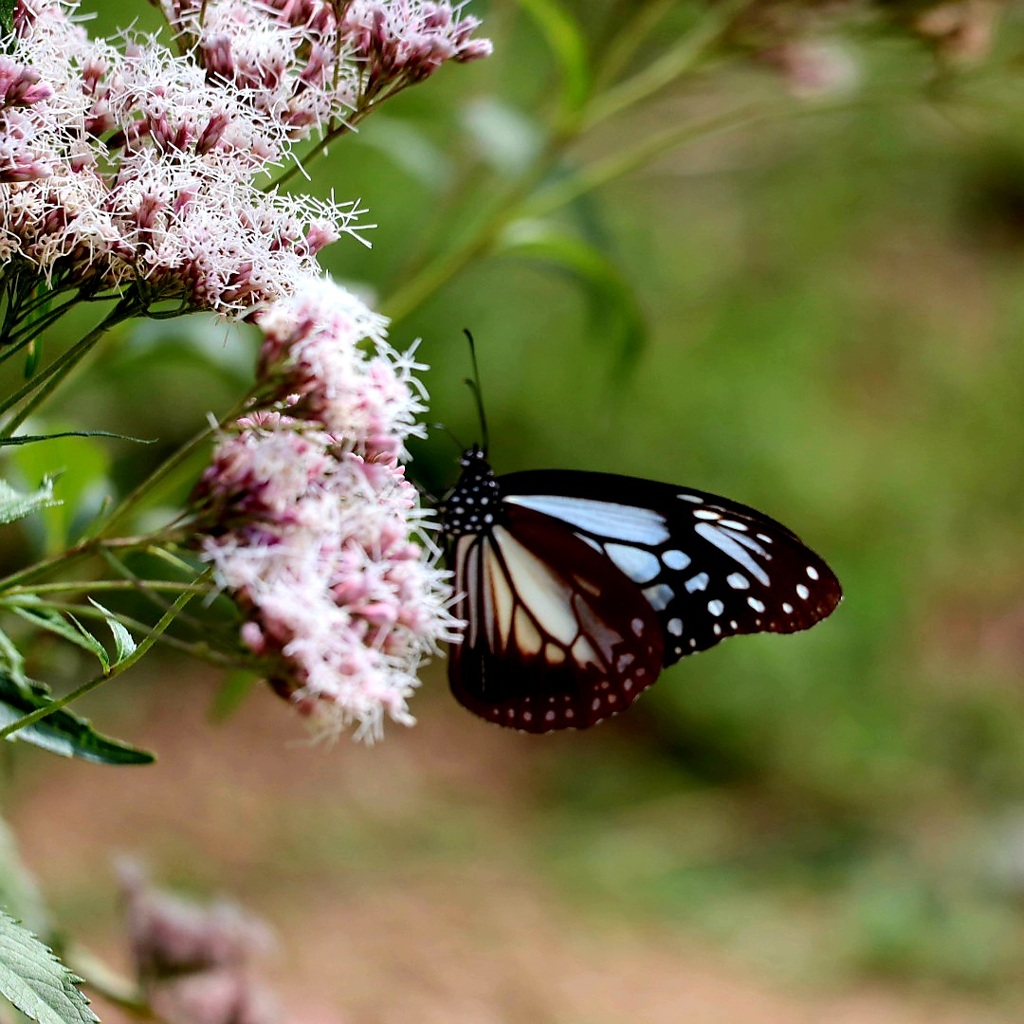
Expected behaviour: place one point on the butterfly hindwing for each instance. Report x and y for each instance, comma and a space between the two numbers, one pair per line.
557, 637
710, 567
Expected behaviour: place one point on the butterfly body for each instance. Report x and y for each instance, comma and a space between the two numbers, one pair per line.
577, 588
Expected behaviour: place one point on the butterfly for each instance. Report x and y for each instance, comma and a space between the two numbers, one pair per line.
578, 588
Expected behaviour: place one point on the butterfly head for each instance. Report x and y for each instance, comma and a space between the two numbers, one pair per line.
473, 505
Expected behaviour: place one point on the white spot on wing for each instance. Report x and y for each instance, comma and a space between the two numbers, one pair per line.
606, 518
812, 572
639, 565
675, 559
698, 582
706, 513
787, 607
675, 627
758, 606
716, 607
803, 591
690, 497
737, 581
659, 597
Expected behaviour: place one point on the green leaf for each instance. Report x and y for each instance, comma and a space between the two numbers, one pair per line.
83, 463
62, 732
44, 617
15, 505
36, 982
13, 659
124, 642
614, 302
506, 138
19, 893
33, 353
7, 17
565, 39
410, 149
231, 693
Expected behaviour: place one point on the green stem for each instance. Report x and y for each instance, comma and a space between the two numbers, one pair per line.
517, 202
83, 549
196, 649
122, 666
166, 468
71, 586
682, 57
44, 383
605, 171
445, 267
102, 979
622, 44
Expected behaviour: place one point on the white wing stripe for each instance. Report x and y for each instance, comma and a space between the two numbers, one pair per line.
604, 518
543, 594
747, 542
730, 547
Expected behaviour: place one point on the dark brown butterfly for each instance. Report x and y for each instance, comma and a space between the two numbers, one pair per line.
578, 588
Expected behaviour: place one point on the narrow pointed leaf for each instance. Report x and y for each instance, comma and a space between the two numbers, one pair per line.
124, 642
84, 466
36, 982
13, 660
74, 632
62, 732
15, 505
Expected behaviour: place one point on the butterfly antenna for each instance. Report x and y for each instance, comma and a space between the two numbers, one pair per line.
451, 434
474, 386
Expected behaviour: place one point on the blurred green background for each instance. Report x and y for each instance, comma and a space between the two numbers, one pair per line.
817, 312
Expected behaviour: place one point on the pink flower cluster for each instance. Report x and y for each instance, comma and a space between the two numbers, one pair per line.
135, 167
195, 963
302, 58
130, 167
314, 528
406, 41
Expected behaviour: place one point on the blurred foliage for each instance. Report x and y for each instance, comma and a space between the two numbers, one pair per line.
814, 308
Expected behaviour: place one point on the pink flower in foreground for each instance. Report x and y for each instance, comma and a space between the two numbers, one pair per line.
315, 529
194, 962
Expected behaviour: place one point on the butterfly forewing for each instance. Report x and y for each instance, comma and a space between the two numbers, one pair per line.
709, 567
557, 637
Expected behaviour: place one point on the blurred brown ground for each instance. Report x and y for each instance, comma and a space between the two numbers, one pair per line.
400, 880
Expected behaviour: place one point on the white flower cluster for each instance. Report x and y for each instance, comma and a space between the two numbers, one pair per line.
316, 531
